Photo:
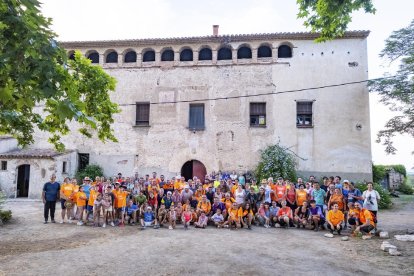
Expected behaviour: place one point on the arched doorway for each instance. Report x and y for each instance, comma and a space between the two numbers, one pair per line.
23, 177
193, 168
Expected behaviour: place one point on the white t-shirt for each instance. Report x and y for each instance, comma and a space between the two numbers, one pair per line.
240, 196
371, 200
217, 218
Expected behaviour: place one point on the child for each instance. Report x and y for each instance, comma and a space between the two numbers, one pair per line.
162, 214
202, 221
91, 202
80, 203
97, 206
179, 209
148, 218
194, 216
218, 219
186, 217
172, 217
107, 209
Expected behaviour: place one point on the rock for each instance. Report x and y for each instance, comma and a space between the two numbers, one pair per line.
394, 252
328, 235
384, 235
410, 232
366, 237
277, 225
346, 238
385, 246
404, 237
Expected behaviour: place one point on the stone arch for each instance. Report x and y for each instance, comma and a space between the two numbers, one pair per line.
71, 54
148, 55
205, 53
93, 55
244, 52
224, 53
264, 50
285, 50
186, 54
111, 56
167, 54
130, 56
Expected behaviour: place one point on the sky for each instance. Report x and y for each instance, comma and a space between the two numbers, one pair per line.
78, 20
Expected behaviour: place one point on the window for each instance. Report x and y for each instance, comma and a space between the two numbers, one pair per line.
205, 54
304, 114
71, 55
284, 51
143, 112
196, 121
186, 55
83, 160
130, 56
257, 114
149, 56
112, 57
94, 57
4, 165
264, 51
244, 52
167, 55
65, 167
224, 54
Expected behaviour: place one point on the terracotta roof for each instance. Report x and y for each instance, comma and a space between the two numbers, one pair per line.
206, 39
33, 153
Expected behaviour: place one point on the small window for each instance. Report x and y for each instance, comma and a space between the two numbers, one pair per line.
143, 112
257, 114
304, 114
94, 57
196, 121
244, 52
149, 56
112, 57
186, 55
284, 51
205, 54
167, 55
130, 56
83, 160
65, 167
72, 55
4, 165
264, 51
224, 54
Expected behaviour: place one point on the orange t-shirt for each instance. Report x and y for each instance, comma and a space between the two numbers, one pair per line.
67, 189
364, 215
335, 217
92, 196
235, 213
228, 202
205, 206
339, 199
198, 194
353, 212
178, 185
80, 199
280, 192
120, 198
286, 211
233, 190
245, 212
302, 196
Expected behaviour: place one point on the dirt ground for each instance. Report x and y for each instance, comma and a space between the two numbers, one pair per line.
28, 247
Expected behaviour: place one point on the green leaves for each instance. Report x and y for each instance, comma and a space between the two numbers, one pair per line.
330, 17
40, 87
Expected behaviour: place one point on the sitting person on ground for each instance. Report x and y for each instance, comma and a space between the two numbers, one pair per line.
285, 216
301, 215
204, 205
148, 218
172, 217
273, 210
179, 209
316, 217
261, 216
186, 217
353, 216
335, 218
131, 212
162, 215
218, 219
202, 221
365, 223
247, 215
234, 216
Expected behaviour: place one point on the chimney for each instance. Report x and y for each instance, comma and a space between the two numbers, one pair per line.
215, 30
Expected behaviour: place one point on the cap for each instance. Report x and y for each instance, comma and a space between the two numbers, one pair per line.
86, 179
346, 180
264, 181
148, 208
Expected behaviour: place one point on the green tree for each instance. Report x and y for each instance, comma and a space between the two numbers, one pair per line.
331, 17
91, 171
397, 92
41, 88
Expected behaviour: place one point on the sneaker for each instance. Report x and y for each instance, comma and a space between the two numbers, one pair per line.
104, 225
133, 224
53, 221
170, 227
45, 222
69, 221
80, 223
61, 222
112, 224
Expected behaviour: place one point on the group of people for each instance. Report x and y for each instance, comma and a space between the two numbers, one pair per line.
221, 200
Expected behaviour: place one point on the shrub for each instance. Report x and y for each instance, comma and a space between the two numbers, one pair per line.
5, 216
378, 173
91, 171
406, 188
276, 161
385, 201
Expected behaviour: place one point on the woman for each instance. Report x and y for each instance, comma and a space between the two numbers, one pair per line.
260, 197
240, 195
247, 216
301, 195
261, 216
228, 201
337, 198
291, 197
335, 218
301, 215
371, 198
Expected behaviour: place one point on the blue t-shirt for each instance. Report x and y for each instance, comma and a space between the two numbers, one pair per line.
51, 191
87, 190
148, 216
352, 193
319, 196
131, 209
242, 180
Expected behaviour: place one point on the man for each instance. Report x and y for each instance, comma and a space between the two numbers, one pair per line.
167, 200
316, 217
318, 195
131, 212
186, 194
285, 215
50, 194
279, 191
204, 205
148, 218
337, 182
162, 181
120, 203
365, 223
217, 204
140, 199
325, 185
300, 181
354, 195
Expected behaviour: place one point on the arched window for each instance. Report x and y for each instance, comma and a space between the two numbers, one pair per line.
71, 55
167, 55
186, 55
284, 51
94, 57
148, 56
205, 54
112, 57
224, 54
244, 52
130, 56
264, 51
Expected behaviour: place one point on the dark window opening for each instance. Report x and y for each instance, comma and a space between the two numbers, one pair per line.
244, 52
112, 57
304, 114
264, 51
186, 55
224, 54
167, 55
196, 121
257, 114
149, 56
94, 57
284, 51
83, 160
142, 114
131, 56
64, 167
4, 165
205, 54
72, 56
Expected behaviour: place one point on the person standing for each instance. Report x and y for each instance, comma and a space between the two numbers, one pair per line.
50, 194
371, 198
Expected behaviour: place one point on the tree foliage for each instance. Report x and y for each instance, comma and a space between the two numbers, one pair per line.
397, 92
276, 161
90, 171
331, 17
385, 201
41, 88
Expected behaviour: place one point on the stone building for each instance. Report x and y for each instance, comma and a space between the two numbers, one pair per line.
196, 104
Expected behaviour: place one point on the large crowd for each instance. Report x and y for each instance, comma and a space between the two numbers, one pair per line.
222, 200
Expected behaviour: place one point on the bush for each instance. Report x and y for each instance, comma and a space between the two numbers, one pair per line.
5, 216
400, 169
276, 161
91, 171
378, 173
385, 201
406, 188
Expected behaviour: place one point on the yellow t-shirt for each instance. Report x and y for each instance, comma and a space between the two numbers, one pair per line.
335, 217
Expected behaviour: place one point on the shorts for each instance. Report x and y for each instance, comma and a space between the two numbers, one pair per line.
62, 204
122, 209
89, 208
148, 223
109, 209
